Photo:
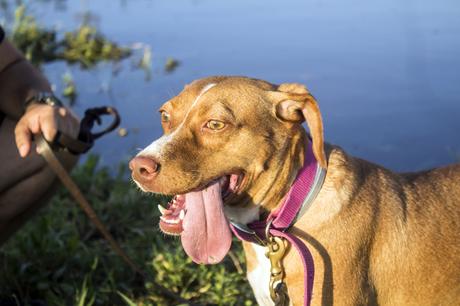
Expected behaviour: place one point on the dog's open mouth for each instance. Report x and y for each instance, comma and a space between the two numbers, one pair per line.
198, 217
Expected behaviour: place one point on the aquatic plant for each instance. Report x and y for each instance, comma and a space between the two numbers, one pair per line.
171, 64
85, 45
70, 90
38, 44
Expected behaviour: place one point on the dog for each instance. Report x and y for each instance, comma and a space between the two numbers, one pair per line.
231, 149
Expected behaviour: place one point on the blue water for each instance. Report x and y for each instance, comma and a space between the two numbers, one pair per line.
386, 73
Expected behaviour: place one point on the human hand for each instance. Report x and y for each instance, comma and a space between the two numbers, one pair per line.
47, 120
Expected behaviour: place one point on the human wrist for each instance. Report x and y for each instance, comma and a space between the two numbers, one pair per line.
41, 98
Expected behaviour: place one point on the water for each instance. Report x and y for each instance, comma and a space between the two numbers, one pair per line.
386, 73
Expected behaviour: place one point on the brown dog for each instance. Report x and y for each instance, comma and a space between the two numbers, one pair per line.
231, 150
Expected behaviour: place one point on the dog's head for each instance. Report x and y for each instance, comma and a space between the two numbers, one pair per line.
228, 141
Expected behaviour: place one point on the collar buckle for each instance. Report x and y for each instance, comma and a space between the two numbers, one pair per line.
243, 228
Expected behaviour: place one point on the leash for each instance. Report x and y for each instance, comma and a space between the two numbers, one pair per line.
58, 168
81, 145
273, 233
78, 146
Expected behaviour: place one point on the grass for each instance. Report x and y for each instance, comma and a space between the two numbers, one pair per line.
59, 258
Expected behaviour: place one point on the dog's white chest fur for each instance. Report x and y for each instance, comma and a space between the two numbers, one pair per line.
259, 278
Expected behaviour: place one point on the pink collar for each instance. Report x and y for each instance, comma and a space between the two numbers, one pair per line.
304, 190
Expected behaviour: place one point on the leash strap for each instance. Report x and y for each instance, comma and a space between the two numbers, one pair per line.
77, 146
307, 263
256, 234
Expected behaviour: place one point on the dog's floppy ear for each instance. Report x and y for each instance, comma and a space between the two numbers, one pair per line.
294, 103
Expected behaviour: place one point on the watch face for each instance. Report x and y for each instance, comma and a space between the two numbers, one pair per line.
50, 101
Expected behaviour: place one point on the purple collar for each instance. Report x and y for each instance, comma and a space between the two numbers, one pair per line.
303, 192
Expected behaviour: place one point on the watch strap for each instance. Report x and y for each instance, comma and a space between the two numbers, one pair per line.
44, 98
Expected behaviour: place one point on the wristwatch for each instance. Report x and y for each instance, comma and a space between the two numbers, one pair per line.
44, 98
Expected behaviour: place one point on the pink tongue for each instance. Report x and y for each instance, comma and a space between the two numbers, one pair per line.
206, 237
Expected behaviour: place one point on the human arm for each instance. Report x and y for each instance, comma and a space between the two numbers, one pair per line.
19, 82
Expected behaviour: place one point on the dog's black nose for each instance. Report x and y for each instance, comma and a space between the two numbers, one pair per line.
144, 168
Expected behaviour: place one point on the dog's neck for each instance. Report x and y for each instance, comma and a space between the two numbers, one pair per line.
273, 183
301, 195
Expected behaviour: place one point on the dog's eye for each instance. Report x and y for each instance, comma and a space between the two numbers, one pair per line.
215, 125
165, 116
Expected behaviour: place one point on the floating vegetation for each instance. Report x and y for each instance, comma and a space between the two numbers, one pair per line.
37, 44
171, 64
122, 132
69, 91
85, 45
145, 60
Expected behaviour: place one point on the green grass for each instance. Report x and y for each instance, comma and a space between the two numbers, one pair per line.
60, 258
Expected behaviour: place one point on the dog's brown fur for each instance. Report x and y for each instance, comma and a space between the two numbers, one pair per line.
377, 237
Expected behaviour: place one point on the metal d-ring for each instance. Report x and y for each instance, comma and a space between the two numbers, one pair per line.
268, 235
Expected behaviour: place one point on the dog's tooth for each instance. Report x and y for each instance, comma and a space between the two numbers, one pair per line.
182, 215
169, 221
161, 209
212, 260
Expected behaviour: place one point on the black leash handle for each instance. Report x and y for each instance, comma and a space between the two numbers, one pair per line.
93, 115
86, 137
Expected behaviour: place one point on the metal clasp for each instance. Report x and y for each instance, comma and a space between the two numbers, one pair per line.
276, 249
